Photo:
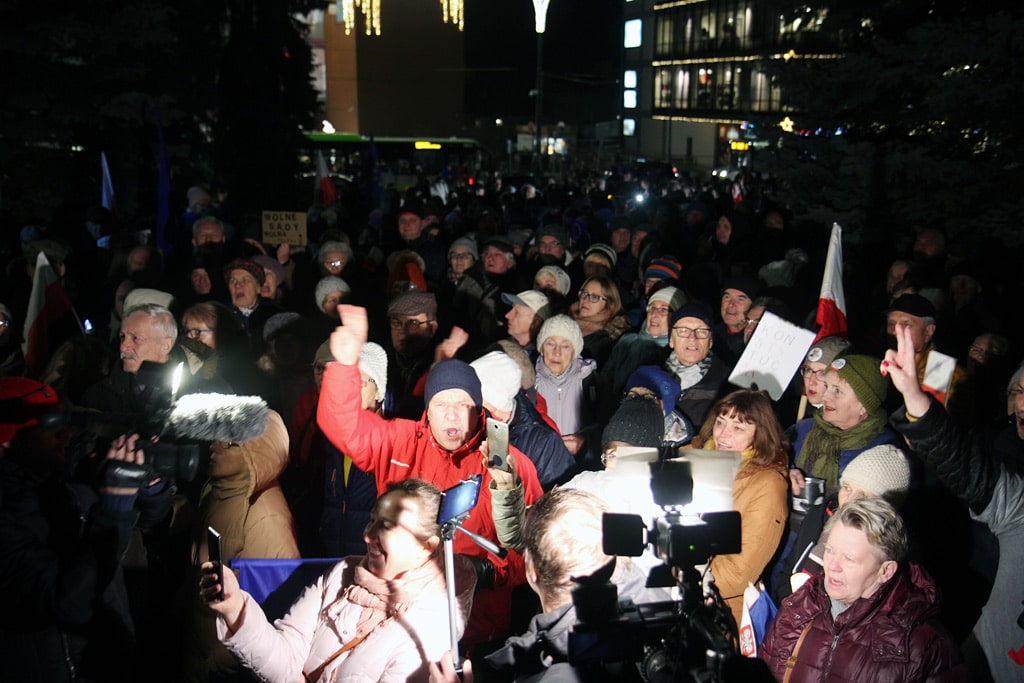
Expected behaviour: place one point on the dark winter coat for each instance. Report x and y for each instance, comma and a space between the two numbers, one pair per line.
894, 635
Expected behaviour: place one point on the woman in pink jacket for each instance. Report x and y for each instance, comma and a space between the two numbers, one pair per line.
379, 617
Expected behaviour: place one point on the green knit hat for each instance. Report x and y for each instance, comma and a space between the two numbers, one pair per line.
861, 373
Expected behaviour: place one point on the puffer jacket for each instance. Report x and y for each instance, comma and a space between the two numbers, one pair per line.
894, 635
986, 469
395, 450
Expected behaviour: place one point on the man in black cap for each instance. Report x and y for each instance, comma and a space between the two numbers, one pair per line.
445, 446
738, 294
553, 249
918, 315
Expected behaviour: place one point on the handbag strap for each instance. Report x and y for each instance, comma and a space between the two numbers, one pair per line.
318, 672
791, 662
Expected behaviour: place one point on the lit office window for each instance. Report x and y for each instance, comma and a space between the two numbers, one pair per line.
629, 99
629, 126
629, 78
634, 29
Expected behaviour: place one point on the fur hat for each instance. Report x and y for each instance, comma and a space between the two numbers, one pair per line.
247, 265
329, 284
562, 280
826, 349
562, 326
638, 421
453, 374
500, 379
23, 402
467, 244
413, 303
882, 470
373, 360
522, 359
861, 372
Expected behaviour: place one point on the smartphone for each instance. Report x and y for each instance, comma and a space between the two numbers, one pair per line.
497, 443
459, 499
216, 551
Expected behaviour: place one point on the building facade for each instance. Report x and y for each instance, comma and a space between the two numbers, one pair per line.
698, 83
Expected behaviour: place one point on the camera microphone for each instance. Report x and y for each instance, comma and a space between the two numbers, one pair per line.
217, 417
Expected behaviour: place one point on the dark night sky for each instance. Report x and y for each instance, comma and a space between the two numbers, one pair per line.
581, 40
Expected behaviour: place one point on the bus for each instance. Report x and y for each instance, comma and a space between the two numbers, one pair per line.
402, 161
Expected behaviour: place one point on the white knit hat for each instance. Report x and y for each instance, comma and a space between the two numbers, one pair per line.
373, 360
882, 470
564, 283
500, 379
562, 326
329, 284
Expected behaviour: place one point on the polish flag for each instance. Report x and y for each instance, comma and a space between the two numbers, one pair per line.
47, 304
328, 192
831, 316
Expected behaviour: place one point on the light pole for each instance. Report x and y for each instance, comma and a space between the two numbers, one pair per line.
540, 14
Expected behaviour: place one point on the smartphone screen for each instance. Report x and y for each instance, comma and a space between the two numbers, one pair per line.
216, 556
459, 499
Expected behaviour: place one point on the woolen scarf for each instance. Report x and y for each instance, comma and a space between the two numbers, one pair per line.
614, 325
825, 441
688, 375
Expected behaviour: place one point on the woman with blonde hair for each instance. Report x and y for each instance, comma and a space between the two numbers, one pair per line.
600, 315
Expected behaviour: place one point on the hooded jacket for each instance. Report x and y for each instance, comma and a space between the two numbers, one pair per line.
395, 450
894, 635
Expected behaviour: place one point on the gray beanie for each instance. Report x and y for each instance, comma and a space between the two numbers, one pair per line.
329, 284
882, 470
638, 421
564, 283
500, 379
373, 360
467, 244
826, 350
562, 326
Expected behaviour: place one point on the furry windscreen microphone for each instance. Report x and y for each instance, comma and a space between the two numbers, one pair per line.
217, 417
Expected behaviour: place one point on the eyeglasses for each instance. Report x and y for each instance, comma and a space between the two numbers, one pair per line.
195, 332
243, 281
408, 325
750, 322
687, 332
659, 310
4, 323
807, 372
337, 263
587, 296
608, 455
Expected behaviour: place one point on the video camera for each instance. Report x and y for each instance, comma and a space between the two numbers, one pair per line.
686, 639
181, 425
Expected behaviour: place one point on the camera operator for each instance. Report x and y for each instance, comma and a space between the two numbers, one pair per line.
60, 547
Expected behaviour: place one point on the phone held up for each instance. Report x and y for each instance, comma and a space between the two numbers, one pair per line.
459, 500
497, 443
216, 551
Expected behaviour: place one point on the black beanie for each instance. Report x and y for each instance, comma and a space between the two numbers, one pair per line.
453, 374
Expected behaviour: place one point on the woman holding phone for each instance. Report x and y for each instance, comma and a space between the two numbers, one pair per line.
382, 616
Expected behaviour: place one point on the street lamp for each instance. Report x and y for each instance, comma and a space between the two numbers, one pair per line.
540, 14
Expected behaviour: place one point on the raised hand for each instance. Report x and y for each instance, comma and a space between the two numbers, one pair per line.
447, 349
901, 366
231, 606
347, 339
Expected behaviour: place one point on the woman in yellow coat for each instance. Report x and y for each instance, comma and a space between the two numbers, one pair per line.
744, 422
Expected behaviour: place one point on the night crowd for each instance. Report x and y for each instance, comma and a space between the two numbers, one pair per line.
598, 320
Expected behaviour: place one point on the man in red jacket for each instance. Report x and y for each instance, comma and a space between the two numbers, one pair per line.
442, 447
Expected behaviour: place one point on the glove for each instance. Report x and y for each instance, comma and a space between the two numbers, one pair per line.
484, 569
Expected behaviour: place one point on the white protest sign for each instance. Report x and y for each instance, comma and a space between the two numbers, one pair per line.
773, 355
938, 373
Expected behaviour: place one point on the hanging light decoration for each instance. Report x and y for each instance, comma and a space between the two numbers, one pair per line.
451, 12
371, 10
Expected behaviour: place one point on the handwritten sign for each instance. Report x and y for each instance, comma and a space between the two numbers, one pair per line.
284, 227
773, 355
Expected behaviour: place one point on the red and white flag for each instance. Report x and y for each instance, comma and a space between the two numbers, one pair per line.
328, 192
47, 303
831, 317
